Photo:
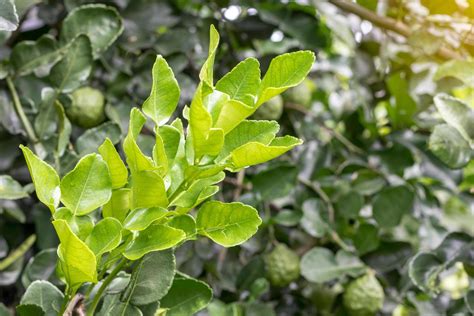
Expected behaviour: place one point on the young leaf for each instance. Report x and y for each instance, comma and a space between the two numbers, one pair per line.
228, 224
460, 69
457, 114
151, 278
186, 223
81, 226
75, 67
285, 71
88, 186
117, 169
44, 295
45, 179
141, 218
154, 238
136, 159
164, 96
254, 153
78, 262
232, 114
148, 190
188, 198
319, 265
242, 82
118, 205
105, 236
391, 204
10, 189
102, 24
159, 155
186, 296
206, 74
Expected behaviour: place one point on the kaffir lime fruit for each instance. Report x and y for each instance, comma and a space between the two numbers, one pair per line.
270, 110
87, 108
364, 296
301, 94
282, 265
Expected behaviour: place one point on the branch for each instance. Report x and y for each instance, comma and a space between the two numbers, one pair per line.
388, 24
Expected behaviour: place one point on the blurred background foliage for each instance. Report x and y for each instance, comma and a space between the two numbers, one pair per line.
380, 187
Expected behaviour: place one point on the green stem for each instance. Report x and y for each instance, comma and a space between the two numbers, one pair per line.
69, 295
104, 285
19, 110
17, 253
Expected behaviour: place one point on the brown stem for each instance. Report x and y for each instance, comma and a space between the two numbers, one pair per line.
75, 305
388, 24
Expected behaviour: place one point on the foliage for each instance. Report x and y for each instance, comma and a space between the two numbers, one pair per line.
381, 189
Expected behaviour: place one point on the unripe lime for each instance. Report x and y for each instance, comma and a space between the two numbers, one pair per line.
282, 265
364, 296
87, 108
301, 94
270, 110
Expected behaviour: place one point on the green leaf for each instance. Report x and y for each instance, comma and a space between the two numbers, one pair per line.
45, 179
228, 224
29, 310
10, 189
41, 267
164, 96
190, 197
118, 170
136, 159
148, 190
313, 222
88, 186
36, 56
118, 205
156, 237
242, 82
349, 204
460, 69
449, 146
457, 114
404, 108
366, 238
8, 16
113, 306
45, 122
64, 129
319, 265
254, 153
102, 24
151, 278
75, 67
249, 131
81, 226
141, 218
285, 71
232, 114
469, 298
207, 72
186, 296
105, 236
77, 261
44, 295
186, 223
390, 204
91, 139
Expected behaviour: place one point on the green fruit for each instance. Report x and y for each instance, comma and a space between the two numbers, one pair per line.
87, 108
402, 310
282, 265
270, 110
301, 94
364, 296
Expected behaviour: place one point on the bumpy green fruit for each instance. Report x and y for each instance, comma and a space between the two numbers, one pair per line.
270, 110
301, 94
87, 108
364, 296
282, 265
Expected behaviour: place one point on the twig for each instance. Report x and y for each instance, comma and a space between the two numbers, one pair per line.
388, 24
76, 300
18, 252
239, 184
347, 143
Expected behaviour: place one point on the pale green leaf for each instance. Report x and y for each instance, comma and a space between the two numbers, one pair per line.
253, 153
457, 114
189, 197
141, 218
186, 223
228, 224
75, 67
285, 71
460, 69
78, 262
164, 96
8, 16
64, 129
232, 114
10, 189
156, 237
88, 186
45, 179
151, 278
105, 236
148, 190
102, 24
449, 146
118, 205
159, 155
45, 295
206, 74
242, 82
118, 170
81, 226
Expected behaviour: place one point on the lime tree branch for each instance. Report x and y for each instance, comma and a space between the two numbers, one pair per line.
387, 24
